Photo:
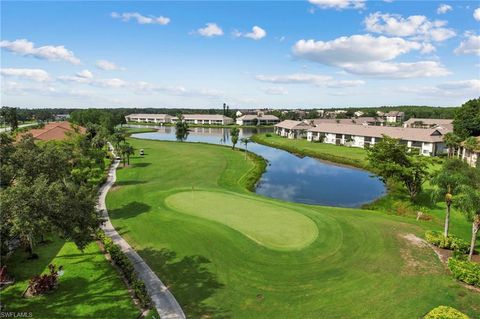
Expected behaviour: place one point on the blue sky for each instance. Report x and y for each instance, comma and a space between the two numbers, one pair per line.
317, 53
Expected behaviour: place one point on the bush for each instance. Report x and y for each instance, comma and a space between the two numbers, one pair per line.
44, 283
444, 312
451, 242
464, 270
268, 135
126, 266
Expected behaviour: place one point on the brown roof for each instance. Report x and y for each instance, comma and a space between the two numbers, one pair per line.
250, 117
293, 125
151, 116
217, 117
428, 121
53, 131
353, 121
404, 133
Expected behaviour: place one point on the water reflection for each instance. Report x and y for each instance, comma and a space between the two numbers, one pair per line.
289, 177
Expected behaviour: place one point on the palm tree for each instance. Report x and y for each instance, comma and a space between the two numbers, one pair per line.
234, 136
452, 141
129, 150
122, 149
446, 182
468, 202
245, 141
471, 144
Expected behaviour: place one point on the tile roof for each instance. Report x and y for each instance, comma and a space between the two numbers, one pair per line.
53, 131
152, 116
250, 117
404, 133
428, 121
293, 125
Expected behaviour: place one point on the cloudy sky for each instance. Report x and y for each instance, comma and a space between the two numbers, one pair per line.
316, 53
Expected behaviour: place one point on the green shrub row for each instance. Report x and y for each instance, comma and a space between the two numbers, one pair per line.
451, 242
445, 312
126, 266
466, 271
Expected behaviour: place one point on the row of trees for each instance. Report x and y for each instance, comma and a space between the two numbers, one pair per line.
49, 188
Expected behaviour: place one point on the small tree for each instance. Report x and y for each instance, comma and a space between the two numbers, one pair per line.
245, 141
234, 136
129, 150
452, 141
392, 160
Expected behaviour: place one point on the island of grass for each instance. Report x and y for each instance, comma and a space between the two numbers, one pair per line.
186, 209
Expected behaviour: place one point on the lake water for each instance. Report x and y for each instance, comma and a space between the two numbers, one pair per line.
290, 177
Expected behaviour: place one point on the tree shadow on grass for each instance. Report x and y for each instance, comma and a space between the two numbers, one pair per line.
189, 280
141, 164
130, 210
127, 183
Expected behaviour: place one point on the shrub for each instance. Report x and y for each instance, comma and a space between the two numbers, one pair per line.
268, 135
444, 312
451, 242
44, 283
464, 270
126, 266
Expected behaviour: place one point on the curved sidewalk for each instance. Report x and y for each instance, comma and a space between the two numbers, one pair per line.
165, 303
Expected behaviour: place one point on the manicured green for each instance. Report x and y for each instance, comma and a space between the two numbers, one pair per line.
274, 227
89, 288
360, 265
352, 156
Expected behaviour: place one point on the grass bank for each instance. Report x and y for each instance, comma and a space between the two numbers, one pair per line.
352, 156
219, 263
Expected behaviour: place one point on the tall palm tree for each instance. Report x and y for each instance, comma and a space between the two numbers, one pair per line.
129, 150
468, 202
245, 141
471, 144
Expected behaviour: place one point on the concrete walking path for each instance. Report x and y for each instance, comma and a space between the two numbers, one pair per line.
165, 303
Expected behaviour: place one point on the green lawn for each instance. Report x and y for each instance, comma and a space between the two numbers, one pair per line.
89, 288
359, 265
353, 156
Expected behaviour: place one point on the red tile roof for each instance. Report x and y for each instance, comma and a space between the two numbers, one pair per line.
53, 131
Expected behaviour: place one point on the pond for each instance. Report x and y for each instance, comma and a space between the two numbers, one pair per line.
289, 177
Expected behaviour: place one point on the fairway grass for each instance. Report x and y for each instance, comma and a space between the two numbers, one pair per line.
263, 222
360, 265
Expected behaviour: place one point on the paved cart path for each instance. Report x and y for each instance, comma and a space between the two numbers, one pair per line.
165, 303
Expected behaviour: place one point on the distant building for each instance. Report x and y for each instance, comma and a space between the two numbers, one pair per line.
61, 117
471, 157
54, 131
352, 121
358, 113
427, 123
238, 114
251, 119
207, 119
394, 116
429, 142
291, 129
149, 118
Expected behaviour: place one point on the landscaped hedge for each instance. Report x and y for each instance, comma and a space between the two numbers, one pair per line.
126, 266
451, 242
466, 271
444, 312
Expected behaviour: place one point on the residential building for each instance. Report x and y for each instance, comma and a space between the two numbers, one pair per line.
394, 116
429, 142
54, 131
291, 129
472, 157
352, 121
149, 118
427, 123
207, 119
251, 119
358, 113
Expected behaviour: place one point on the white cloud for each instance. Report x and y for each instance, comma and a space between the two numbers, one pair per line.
275, 90
294, 78
211, 30
444, 8
462, 88
416, 26
353, 49
37, 75
398, 70
86, 74
110, 83
256, 34
141, 19
469, 46
47, 52
339, 4
305, 78
476, 14
107, 65
369, 55
427, 48
143, 87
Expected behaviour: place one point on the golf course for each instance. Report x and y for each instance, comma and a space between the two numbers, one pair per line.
226, 252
